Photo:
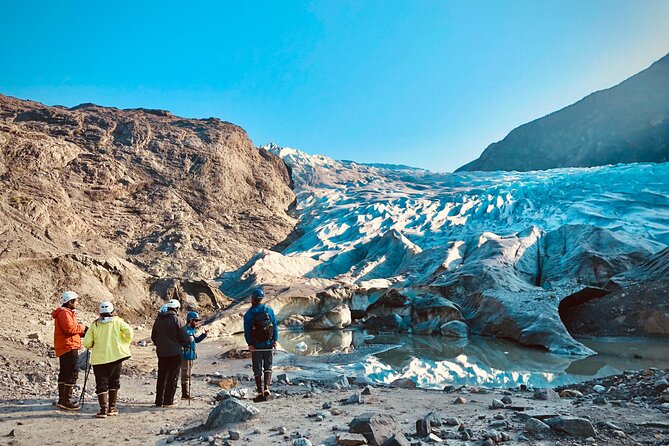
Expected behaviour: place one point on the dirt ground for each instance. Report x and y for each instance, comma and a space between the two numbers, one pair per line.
31, 419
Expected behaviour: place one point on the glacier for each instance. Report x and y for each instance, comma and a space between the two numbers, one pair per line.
505, 247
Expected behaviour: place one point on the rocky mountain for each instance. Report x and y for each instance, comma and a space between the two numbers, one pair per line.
107, 201
504, 254
627, 123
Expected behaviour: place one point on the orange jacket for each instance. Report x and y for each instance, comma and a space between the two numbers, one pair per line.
67, 331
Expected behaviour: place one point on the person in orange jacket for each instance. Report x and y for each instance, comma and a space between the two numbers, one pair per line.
67, 342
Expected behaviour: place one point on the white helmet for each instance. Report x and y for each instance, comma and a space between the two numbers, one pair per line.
68, 296
106, 307
173, 303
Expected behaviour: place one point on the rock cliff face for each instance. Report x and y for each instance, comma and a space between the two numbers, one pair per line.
624, 124
163, 195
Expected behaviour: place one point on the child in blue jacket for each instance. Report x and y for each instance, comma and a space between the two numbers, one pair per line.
189, 355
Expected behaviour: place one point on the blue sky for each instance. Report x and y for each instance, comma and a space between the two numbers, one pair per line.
424, 83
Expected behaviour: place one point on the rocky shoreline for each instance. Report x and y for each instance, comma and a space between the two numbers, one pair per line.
316, 408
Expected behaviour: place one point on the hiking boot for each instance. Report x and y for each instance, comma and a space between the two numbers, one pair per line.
61, 394
169, 406
102, 400
268, 380
65, 401
259, 392
113, 394
185, 389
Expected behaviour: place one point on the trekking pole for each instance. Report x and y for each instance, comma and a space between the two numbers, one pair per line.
88, 371
190, 389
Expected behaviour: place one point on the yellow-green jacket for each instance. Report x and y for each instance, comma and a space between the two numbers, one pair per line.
109, 340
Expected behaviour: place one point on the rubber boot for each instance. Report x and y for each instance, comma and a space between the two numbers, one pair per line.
185, 390
102, 400
61, 394
67, 403
113, 394
259, 386
268, 381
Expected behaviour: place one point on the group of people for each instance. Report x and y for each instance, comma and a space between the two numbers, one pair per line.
109, 338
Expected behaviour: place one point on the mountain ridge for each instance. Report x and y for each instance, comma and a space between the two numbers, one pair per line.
626, 123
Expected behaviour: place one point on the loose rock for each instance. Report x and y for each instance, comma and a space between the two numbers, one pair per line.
230, 411
404, 383
578, 427
546, 395
537, 427
376, 428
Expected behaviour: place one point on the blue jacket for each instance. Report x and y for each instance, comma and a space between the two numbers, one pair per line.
189, 352
248, 326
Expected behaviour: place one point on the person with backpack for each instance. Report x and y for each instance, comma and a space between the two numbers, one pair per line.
67, 342
261, 333
109, 339
189, 355
169, 336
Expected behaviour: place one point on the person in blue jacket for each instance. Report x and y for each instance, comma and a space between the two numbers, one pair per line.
261, 333
189, 355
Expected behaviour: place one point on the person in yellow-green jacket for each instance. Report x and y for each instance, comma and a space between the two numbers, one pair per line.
109, 339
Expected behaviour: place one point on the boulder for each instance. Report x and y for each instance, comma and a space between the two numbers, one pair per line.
599, 389
537, 427
397, 440
336, 318
570, 393
353, 399
230, 411
404, 383
661, 385
455, 329
349, 439
577, 427
376, 428
423, 427
497, 404
391, 322
434, 308
546, 395
392, 302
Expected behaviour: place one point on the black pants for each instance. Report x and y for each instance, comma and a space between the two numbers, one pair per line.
68, 372
107, 376
168, 376
261, 361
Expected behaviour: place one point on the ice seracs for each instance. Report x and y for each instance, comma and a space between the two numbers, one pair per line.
504, 247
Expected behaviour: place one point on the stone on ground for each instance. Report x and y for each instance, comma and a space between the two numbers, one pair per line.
351, 439
577, 427
376, 428
230, 411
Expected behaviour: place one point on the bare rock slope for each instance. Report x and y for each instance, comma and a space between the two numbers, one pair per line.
141, 194
627, 123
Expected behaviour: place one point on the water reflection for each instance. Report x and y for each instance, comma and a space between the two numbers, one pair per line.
436, 361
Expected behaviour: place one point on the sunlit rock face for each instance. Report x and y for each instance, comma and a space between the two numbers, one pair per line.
498, 251
624, 124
